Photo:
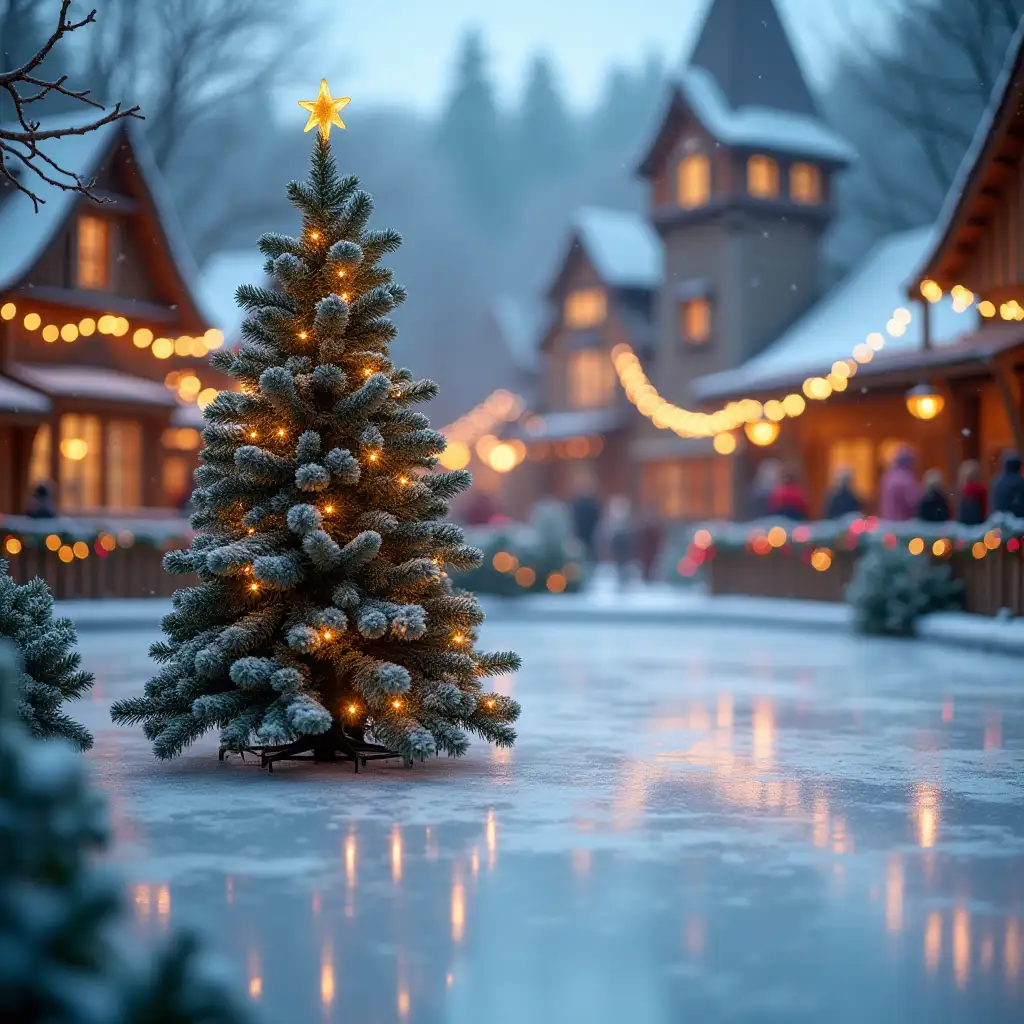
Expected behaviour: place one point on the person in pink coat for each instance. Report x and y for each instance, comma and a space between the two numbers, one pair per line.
901, 490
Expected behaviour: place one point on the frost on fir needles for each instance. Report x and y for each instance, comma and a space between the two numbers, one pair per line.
51, 673
63, 957
324, 599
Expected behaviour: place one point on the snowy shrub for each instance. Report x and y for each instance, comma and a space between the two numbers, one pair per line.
546, 547
51, 673
63, 959
891, 589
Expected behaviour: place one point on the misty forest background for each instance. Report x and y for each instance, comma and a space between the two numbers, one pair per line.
483, 194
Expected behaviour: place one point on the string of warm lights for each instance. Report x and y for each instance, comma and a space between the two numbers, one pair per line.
186, 383
478, 426
760, 421
820, 552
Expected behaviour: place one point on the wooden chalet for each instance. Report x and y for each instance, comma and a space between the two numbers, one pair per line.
103, 363
102, 342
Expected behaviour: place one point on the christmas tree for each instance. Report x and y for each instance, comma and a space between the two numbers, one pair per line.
324, 610
51, 673
62, 960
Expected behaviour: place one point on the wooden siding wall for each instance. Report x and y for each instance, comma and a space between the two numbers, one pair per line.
994, 268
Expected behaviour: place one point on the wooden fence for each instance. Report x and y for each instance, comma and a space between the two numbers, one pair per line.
991, 584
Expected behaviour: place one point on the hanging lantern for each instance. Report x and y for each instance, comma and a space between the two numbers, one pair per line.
924, 402
762, 432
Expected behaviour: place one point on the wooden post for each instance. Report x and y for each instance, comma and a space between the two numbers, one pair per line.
1011, 393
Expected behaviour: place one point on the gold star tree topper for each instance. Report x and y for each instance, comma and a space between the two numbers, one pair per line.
323, 111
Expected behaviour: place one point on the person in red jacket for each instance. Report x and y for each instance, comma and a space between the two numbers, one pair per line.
972, 503
788, 498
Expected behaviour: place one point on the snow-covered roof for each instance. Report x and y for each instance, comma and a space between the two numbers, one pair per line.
16, 397
557, 426
624, 248
760, 127
25, 233
220, 276
520, 324
859, 305
94, 382
958, 190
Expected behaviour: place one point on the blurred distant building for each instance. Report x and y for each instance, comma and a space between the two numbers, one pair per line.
718, 294
103, 342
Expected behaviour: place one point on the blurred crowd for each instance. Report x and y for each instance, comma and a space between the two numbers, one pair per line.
904, 495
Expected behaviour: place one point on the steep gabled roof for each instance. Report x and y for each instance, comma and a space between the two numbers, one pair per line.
25, 234
968, 202
744, 85
744, 47
520, 324
623, 248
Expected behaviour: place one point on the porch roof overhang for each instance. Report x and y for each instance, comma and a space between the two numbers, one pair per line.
21, 400
969, 355
94, 382
560, 426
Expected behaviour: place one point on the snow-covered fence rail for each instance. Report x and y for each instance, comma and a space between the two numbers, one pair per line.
815, 561
93, 557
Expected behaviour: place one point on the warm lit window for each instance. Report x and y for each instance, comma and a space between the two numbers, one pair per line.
177, 480
124, 464
39, 470
855, 456
79, 464
721, 498
694, 180
762, 177
93, 252
590, 378
805, 184
695, 320
586, 307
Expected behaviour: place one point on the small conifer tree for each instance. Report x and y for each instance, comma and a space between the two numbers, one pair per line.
63, 956
324, 606
51, 674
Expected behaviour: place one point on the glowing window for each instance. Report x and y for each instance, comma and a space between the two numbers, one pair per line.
805, 184
695, 320
855, 456
39, 470
93, 252
591, 381
177, 480
694, 185
762, 177
79, 466
586, 307
124, 464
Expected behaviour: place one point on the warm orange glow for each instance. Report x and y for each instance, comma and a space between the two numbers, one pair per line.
327, 978
1012, 950
53, 542
8, 311
492, 840
933, 941
281, 431
328, 509
80, 549
65, 554
931, 290
762, 433
820, 822
455, 456
525, 576
12, 546
777, 536
556, 583
961, 946
926, 806
32, 321
254, 586
916, 546
458, 910
502, 457
894, 895
490, 702
396, 703
163, 901
458, 638
724, 444
924, 403
327, 634
372, 456
350, 861
821, 559
396, 854
303, 335
764, 729
504, 562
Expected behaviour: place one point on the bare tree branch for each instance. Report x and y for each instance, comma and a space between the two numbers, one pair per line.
23, 145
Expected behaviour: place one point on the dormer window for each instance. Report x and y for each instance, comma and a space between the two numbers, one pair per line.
762, 177
695, 320
805, 184
585, 307
93, 264
591, 380
694, 181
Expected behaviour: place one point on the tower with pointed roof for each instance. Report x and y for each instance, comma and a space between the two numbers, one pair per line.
741, 173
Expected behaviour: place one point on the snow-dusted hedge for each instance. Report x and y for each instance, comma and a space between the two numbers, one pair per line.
891, 590
541, 556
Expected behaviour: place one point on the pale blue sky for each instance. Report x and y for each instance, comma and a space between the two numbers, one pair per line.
401, 51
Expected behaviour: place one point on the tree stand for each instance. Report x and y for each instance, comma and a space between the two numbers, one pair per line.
337, 744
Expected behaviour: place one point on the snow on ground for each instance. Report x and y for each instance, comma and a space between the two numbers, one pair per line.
698, 823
